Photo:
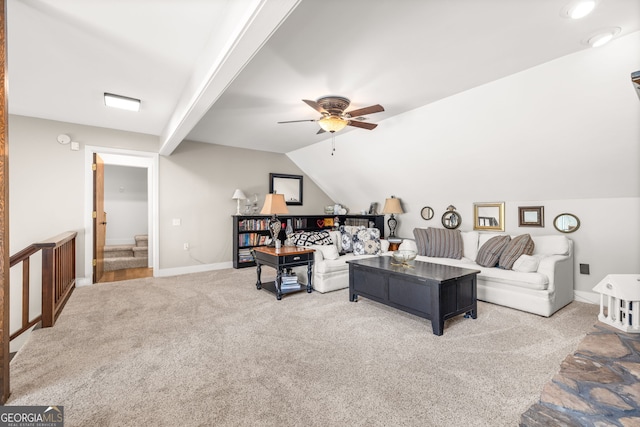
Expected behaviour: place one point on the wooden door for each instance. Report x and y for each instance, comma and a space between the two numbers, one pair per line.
99, 218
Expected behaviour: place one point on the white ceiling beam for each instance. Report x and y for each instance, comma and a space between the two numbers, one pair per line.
230, 47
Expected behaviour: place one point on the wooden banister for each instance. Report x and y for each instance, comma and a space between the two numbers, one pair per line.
58, 278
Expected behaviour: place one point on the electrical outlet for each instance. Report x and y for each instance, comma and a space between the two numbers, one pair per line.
176, 221
584, 268
186, 246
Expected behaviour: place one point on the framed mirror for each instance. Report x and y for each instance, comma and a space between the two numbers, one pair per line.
451, 219
488, 216
289, 185
531, 216
426, 213
566, 223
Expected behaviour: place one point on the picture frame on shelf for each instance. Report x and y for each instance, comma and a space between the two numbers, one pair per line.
288, 185
531, 216
488, 216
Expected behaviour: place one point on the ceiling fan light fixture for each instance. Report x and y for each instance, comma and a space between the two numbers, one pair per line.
332, 123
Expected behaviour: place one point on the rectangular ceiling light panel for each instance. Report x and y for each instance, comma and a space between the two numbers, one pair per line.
122, 102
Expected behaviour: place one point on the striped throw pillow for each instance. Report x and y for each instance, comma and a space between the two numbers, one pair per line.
444, 243
422, 243
489, 253
521, 245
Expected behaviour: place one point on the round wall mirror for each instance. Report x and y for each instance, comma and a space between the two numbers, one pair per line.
566, 223
426, 213
451, 220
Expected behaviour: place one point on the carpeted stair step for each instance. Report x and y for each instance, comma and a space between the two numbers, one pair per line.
142, 240
121, 263
140, 252
118, 251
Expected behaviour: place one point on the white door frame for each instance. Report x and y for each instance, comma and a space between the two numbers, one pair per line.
120, 157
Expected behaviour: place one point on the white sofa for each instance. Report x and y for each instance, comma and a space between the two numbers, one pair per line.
542, 287
540, 284
330, 270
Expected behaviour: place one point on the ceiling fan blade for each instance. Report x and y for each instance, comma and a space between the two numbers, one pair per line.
362, 125
297, 121
315, 106
366, 110
320, 131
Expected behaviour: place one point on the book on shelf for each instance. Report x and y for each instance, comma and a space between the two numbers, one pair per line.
253, 224
252, 239
357, 222
244, 255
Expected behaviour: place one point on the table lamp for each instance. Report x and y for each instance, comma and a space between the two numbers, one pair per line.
392, 206
238, 195
274, 204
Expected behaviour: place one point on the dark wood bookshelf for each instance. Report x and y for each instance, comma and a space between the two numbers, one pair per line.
250, 231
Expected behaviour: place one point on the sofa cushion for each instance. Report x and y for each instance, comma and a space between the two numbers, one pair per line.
422, 242
489, 253
551, 245
444, 243
366, 241
526, 263
521, 245
470, 244
327, 251
310, 238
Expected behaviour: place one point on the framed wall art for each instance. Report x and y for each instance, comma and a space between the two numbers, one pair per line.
488, 216
288, 185
531, 216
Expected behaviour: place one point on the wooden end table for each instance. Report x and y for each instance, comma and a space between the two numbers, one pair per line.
283, 259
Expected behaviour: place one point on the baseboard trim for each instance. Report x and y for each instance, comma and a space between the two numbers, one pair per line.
177, 271
586, 296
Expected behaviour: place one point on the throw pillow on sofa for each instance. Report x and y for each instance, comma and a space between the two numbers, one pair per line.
346, 240
527, 263
489, 253
521, 245
310, 238
422, 241
444, 243
366, 241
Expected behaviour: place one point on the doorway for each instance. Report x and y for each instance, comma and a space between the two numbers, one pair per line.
142, 161
124, 251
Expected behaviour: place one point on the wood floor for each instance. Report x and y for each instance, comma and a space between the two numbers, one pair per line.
128, 274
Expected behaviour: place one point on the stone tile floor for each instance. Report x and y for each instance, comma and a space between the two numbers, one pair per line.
598, 385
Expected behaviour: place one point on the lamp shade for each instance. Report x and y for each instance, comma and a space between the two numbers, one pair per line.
238, 195
392, 206
274, 204
332, 123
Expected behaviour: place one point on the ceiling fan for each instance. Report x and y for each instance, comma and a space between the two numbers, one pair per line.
334, 118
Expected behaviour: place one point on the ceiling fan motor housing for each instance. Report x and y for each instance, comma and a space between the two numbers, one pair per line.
334, 105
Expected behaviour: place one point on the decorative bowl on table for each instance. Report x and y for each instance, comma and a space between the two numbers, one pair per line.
403, 257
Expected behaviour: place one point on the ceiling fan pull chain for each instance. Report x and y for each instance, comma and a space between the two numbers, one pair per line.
333, 143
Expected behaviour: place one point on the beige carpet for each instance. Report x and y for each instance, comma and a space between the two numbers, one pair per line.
209, 349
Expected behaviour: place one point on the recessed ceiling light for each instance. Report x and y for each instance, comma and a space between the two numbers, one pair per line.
578, 9
122, 102
603, 37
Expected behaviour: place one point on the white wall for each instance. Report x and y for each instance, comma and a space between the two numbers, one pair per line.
125, 201
196, 185
564, 135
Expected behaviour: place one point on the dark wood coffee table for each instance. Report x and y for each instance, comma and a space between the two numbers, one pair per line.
432, 291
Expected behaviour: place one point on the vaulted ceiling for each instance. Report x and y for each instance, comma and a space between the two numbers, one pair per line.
226, 71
